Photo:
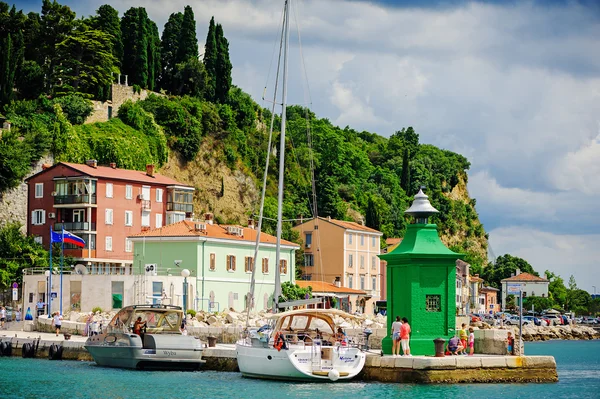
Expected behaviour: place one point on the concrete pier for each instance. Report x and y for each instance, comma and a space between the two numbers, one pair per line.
417, 369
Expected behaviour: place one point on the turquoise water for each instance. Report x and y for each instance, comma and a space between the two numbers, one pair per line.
578, 371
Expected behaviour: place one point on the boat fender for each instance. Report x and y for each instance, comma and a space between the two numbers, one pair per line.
333, 375
27, 350
278, 341
2, 346
55, 352
7, 349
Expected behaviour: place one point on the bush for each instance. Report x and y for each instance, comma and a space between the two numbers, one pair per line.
191, 312
96, 309
75, 108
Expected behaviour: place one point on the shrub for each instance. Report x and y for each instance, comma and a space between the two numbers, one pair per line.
75, 108
96, 309
191, 312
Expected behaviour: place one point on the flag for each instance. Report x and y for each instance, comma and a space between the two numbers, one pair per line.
67, 238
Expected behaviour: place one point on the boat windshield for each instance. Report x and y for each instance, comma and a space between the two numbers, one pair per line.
159, 320
307, 323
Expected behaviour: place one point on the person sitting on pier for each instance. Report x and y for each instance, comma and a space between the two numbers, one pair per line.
454, 346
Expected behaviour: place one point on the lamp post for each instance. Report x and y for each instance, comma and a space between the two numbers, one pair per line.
48, 298
185, 273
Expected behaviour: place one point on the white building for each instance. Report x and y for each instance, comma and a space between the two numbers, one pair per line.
530, 285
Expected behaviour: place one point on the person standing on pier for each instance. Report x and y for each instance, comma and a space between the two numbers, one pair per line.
463, 338
405, 336
471, 341
396, 336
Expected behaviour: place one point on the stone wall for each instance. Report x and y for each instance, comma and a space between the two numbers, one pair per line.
120, 94
100, 112
13, 203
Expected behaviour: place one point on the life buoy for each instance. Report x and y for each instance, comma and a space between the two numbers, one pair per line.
278, 341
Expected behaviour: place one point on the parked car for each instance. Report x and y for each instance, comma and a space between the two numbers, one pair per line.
474, 318
514, 321
589, 320
532, 320
555, 320
10, 313
578, 320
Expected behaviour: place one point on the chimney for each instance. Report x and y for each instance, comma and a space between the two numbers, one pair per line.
150, 170
362, 221
337, 282
251, 223
329, 218
92, 163
208, 218
46, 166
518, 271
113, 165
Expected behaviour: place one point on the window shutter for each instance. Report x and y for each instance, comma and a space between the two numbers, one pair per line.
233, 262
43, 217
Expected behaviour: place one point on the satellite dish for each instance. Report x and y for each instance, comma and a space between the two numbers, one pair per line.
81, 269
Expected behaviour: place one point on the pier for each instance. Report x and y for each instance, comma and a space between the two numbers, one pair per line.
416, 369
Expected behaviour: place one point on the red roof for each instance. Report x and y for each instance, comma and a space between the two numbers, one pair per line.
322, 286
187, 228
350, 225
106, 172
524, 277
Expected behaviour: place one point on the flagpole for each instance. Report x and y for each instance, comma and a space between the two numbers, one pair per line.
49, 293
62, 251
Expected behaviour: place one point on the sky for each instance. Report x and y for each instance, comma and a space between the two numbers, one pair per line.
512, 85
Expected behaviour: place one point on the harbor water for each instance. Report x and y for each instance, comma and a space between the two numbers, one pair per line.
578, 364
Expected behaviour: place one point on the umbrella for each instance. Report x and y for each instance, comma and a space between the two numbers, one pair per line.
552, 311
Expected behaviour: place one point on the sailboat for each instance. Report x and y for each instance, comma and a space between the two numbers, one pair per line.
303, 344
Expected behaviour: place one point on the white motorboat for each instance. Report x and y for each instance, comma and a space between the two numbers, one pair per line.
159, 345
303, 345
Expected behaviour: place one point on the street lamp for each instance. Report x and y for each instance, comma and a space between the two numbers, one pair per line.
48, 299
185, 273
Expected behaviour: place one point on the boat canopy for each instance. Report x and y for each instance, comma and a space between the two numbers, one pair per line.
159, 319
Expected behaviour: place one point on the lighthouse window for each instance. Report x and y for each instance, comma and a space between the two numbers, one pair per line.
432, 303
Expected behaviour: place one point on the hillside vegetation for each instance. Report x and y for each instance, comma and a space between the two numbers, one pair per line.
205, 131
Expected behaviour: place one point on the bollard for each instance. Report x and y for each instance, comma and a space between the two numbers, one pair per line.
212, 342
439, 347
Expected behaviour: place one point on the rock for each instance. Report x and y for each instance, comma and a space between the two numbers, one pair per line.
212, 320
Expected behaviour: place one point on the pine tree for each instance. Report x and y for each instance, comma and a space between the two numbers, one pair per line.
32, 35
210, 60
188, 43
57, 23
168, 50
107, 20
223, 81
134, 28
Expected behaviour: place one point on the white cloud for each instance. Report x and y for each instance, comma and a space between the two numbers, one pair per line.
565, 255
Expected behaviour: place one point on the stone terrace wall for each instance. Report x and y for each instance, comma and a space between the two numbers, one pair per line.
120, 94
13, 203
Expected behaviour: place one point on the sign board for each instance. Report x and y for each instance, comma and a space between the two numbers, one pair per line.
15, 296
15, 285
513, 288
53, 295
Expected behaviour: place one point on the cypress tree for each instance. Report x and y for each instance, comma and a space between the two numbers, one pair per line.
210, 60
107, 20
32, 36
223, 81
168, 50
11, 49
188, 43
153, 55
134, 28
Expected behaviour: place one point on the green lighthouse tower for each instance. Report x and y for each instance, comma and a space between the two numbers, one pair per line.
421, 282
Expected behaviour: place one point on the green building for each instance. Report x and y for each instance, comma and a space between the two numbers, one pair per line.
220, 259
421, 282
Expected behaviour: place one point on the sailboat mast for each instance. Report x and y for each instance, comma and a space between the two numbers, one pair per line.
286, 39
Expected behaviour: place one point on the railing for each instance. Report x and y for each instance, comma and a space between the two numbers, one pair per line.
180, 207
74, 199
146, 205
75, 226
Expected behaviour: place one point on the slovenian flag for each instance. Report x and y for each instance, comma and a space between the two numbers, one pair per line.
67, 238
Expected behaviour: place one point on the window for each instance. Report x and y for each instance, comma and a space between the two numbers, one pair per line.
38, 239
212, 262
128, 218
362, 261
159, 194
374, 283
248, 264
349, 238
349, 281
117, 294
39, 190
265, 265
38, 217
373, 243
350, 260
128, 191
145, 219
157, 288
128, 245
374, 263
309, 259
108, 243
109, 190
78, 215
108, 216
308, 240
158, 220
230, 263
362, 240
362, 281
433, 303
283, 266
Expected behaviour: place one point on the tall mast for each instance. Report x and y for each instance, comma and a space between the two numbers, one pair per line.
286, 24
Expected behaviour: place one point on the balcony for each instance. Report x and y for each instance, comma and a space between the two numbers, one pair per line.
180, 207
75, 226
146, 205
80, 253
74, 199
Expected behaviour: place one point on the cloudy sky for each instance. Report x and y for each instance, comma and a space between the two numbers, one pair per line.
512, 85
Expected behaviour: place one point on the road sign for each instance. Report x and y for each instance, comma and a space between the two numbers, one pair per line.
15, 285
15, 294
513, 288
53, 295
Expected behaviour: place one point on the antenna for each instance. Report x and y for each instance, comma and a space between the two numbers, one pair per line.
81, 269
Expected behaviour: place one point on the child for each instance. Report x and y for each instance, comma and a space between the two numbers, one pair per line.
510, 340
471, 341
463, 338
